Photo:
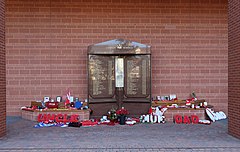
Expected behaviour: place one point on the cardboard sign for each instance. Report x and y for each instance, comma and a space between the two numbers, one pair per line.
64, 118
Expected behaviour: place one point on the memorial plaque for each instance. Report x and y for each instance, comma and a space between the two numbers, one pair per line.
144, 77
101, 76
119, 75
137, 75
133, 75
110, 77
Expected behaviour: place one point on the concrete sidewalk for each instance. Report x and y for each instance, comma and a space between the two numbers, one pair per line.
22, 136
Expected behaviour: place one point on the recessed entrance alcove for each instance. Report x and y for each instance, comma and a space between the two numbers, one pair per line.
119, 75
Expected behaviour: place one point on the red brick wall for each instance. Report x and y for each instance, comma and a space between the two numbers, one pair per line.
2, 71
234, 67
47, 45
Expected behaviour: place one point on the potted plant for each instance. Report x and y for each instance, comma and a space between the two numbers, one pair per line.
122, 115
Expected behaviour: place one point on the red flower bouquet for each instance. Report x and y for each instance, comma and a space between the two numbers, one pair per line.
122, 111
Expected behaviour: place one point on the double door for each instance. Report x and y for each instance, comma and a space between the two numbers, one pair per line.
116, 81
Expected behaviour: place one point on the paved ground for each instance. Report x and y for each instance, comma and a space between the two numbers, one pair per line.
21, 136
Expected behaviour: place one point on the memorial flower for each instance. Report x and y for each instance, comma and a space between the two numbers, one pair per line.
122, 111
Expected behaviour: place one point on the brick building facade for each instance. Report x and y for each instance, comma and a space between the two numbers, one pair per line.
234, 68
46, 46
2, 71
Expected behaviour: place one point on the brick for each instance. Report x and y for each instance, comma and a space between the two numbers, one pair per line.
188, 52
234, 68
3, 71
